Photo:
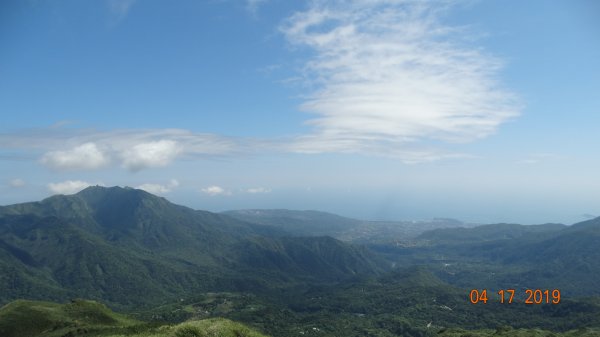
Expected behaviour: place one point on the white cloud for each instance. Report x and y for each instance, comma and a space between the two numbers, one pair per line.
68, 187
391, 78
258, 190
86, 156
134, 149
158, 188
17, 182
151, 154
215, 190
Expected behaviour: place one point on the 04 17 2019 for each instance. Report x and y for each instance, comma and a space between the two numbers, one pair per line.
531, 296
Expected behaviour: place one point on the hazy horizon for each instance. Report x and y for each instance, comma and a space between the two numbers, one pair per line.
359, 215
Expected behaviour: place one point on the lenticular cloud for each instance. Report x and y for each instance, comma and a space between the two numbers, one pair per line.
391, 76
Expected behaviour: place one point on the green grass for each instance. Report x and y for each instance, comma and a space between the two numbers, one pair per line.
90, 318
33, 318
214, 327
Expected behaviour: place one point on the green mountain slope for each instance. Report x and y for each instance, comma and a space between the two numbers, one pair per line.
82, 264
504, 256
487, 232
567, 261
120, 244
298, 223
134, 217
322, 257
30, 318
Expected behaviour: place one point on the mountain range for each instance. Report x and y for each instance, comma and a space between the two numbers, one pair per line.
500, 256
283, 272
119, 244
315, 223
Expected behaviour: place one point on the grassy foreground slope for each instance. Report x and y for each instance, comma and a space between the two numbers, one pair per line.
214, 327
33, 318
90, 318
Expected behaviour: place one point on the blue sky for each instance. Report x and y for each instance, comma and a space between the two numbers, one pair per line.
485, 111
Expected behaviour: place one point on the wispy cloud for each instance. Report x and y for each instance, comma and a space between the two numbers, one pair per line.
258, 190
68, 187
120, 8
158, 188
390, 77
215, 191
16, 183
135, 150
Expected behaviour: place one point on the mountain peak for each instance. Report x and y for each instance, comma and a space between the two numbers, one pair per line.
106, 189
99, 194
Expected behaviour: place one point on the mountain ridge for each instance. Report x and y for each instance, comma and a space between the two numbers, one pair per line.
116, 244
